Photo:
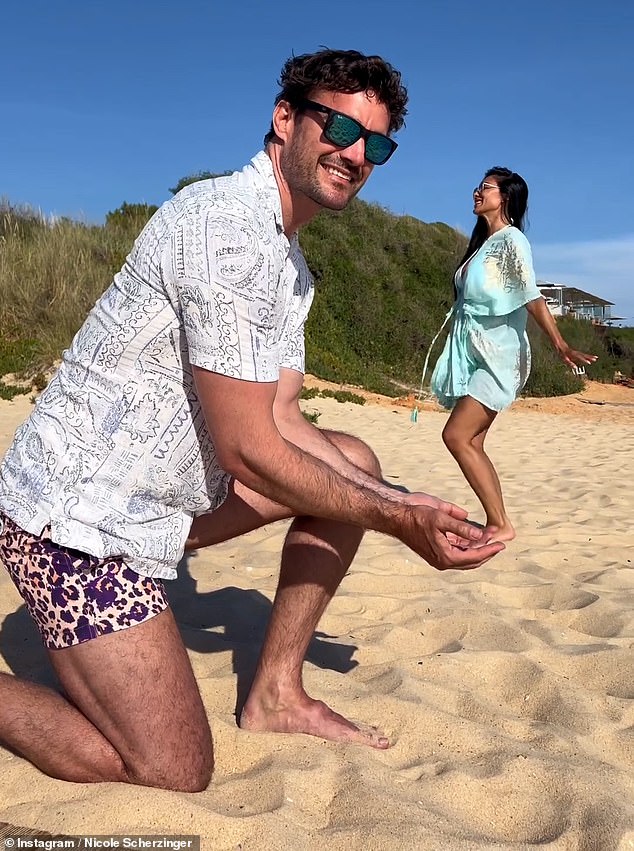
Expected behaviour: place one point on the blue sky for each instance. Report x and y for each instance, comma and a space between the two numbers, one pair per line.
110, 102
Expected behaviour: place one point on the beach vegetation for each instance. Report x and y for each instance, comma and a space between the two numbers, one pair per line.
130, 218
194, 178
343, 396
340, 395
309, 392
383, 289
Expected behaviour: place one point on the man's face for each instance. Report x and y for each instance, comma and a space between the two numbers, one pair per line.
329, 175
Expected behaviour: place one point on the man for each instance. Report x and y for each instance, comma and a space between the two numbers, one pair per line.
174, 423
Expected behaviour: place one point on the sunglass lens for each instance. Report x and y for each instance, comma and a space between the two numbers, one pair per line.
343, 131
379, 148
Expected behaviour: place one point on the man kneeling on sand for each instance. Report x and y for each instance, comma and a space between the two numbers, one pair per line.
173, 423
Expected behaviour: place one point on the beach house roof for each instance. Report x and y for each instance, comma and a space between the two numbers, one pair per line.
563, 300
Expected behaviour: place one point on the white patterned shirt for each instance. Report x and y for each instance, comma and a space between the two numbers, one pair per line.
116, 457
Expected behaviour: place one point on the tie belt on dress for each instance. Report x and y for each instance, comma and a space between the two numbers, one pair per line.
458, 307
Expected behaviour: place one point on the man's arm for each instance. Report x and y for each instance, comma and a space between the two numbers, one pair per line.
296, 428
251, 447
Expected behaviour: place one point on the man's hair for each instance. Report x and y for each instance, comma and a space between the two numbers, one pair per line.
344, 71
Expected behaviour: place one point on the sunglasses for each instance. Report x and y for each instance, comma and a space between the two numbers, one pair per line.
343, 131
480, 189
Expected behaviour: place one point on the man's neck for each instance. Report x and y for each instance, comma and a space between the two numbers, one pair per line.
297, 210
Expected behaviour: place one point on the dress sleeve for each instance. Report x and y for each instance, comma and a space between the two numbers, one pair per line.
509, 277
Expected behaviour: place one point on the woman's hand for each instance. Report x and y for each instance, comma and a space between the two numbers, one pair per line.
573, 358
542, 315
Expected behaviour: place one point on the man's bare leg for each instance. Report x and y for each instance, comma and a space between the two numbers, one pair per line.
315, 558
42, 726
133, 713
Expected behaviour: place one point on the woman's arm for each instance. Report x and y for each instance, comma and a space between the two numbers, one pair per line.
538, 309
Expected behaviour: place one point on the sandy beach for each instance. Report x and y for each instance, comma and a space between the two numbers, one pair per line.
507, 692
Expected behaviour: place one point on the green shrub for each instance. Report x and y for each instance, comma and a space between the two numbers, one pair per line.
383, 287
16, 355
339, 395
130, 218
344, 396
8, 391
309, 393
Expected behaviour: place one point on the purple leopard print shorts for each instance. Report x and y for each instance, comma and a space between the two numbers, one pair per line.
71, 596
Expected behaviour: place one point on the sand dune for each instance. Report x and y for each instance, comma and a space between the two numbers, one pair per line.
508, 692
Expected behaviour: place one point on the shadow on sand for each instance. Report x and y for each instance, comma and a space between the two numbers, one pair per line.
224, 619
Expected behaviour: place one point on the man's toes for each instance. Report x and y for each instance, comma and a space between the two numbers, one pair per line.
370, 736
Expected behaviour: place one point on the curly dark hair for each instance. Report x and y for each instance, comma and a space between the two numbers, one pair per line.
346, 71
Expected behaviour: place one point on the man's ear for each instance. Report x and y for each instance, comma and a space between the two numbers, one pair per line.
283, 119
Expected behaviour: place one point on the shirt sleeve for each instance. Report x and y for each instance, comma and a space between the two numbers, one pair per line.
293, 338
294, 356
223, 277
509, 280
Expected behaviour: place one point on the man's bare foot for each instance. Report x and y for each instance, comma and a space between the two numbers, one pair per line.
305, 715
505, 532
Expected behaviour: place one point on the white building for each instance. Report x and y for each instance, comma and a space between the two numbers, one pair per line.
578, 304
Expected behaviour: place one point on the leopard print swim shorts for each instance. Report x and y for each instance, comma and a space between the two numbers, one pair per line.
72, 596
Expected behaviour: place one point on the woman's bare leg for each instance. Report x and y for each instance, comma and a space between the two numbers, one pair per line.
464, 436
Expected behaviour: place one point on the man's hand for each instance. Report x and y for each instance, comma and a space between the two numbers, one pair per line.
434, 535
420, 498
251, 447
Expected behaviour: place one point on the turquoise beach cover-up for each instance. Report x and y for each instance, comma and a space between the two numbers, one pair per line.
487, 354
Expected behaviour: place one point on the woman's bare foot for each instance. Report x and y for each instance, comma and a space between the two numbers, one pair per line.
504, 532
305, 715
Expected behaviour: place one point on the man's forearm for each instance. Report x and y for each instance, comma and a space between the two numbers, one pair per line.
244, 422
307, 484
310, 439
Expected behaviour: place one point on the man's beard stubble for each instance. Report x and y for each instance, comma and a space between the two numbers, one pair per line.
302, 175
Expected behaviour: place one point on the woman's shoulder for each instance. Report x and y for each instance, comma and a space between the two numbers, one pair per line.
513, 236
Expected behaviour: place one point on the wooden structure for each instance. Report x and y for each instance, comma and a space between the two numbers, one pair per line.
578, 304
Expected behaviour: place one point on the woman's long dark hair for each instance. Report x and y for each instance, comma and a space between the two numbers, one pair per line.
514, 191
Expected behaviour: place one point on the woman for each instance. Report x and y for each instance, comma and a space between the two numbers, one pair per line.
486, 359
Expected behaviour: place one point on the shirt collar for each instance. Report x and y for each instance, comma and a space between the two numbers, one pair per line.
261, 162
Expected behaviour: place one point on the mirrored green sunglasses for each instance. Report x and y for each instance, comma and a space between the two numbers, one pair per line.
343, 131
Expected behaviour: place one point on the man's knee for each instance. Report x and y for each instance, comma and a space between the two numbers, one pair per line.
182, 772
196, 776
356, 451
196, 780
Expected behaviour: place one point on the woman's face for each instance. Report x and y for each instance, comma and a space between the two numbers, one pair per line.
487, 198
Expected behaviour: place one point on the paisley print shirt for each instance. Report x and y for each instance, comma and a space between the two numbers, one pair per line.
116, 458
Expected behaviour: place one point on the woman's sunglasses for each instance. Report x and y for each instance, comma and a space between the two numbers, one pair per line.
343, 131
480, 189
